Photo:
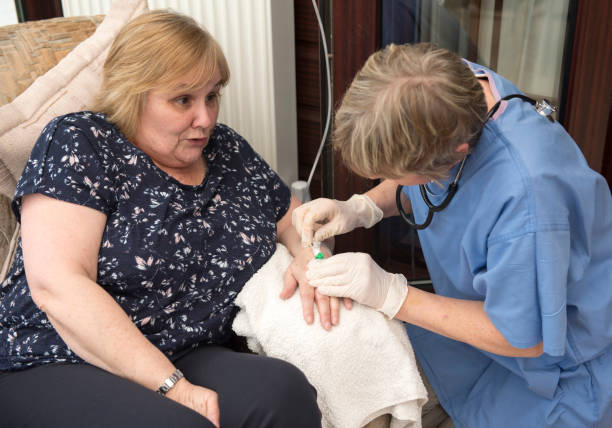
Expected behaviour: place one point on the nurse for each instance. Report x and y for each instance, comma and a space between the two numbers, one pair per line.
519, 331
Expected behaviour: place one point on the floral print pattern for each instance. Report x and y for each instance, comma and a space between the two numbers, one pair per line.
173, 256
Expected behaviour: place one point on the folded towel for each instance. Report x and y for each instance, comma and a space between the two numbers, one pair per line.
362, 369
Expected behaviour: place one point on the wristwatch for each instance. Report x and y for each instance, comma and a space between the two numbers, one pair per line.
170, 382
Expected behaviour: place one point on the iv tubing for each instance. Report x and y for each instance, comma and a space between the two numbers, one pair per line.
329, 95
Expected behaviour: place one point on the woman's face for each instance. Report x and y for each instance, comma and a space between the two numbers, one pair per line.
176, 123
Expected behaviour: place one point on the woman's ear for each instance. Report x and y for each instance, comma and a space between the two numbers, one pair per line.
463, 148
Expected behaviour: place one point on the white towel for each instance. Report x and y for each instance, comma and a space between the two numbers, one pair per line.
362, 369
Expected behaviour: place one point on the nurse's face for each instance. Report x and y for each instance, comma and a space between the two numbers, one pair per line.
408, 179
411, 179
176, 123
414, 179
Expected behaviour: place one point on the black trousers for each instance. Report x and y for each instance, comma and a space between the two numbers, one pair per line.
253, 391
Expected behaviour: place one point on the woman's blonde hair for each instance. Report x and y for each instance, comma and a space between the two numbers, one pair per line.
151, 51
407, 110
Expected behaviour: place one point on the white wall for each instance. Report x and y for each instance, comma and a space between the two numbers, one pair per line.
8, 14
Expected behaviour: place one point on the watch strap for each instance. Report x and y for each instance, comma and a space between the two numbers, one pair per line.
169, 383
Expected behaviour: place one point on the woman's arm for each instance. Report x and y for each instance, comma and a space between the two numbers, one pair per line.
462, 320
329, 308
60, 250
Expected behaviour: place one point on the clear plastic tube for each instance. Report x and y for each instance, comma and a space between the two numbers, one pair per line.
329, 94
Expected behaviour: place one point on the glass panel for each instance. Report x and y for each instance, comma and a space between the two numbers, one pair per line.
523, 40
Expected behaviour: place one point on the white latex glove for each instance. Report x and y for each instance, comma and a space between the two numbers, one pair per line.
335, 217
357, 276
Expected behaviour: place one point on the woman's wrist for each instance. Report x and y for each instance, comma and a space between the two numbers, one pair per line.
170, 382
178, 391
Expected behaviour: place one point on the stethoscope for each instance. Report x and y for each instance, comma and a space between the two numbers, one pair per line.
543, 107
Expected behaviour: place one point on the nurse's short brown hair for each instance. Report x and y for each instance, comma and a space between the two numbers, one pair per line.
152, 51
407, 110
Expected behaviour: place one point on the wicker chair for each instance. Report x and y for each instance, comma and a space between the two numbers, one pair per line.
30, 49
27, 51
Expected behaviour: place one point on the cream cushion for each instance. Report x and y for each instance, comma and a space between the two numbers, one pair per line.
67, 87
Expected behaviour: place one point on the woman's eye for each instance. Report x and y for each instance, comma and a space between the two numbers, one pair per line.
212, 98
182, 100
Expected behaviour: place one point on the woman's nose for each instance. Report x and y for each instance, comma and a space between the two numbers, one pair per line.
203, 116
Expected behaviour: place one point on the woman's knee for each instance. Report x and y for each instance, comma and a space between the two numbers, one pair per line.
287, 397
171, 414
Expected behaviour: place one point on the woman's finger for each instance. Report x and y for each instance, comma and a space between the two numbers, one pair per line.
323, 306
307, 296
334, 306
290, 283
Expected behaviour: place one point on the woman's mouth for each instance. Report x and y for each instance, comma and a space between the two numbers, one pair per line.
198, 141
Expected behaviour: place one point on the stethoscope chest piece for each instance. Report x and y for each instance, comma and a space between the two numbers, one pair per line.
545, 109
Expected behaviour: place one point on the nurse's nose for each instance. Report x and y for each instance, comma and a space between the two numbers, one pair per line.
204, 116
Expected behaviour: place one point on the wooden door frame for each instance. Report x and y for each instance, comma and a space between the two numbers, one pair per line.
588, 117
356, 35
33, 10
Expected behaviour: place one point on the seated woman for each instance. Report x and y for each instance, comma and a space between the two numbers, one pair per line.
141, 222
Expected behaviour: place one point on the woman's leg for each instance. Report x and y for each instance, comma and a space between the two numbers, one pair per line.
80, 395
253, 391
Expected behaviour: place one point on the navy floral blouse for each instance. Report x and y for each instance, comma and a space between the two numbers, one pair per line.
173, 256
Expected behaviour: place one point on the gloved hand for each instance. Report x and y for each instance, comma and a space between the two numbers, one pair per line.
357, 276
337, 217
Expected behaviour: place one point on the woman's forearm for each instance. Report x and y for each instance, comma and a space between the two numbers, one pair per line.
61, 242
462, 320
97, 329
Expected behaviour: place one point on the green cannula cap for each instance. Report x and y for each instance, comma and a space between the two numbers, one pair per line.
319, 256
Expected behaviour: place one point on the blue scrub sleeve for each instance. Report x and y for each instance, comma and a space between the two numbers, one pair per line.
525, 285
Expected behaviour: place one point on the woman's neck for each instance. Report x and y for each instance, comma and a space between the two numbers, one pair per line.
192, 176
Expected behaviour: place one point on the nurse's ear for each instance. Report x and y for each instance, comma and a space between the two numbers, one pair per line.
463, 148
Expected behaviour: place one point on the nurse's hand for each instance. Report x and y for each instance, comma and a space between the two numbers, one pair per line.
334, 217
357, 276
328, 307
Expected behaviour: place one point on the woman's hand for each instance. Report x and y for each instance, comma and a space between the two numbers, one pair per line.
328, 307
357, 276
197, 398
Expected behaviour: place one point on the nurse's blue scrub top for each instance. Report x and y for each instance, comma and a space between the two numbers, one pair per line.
529, 232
